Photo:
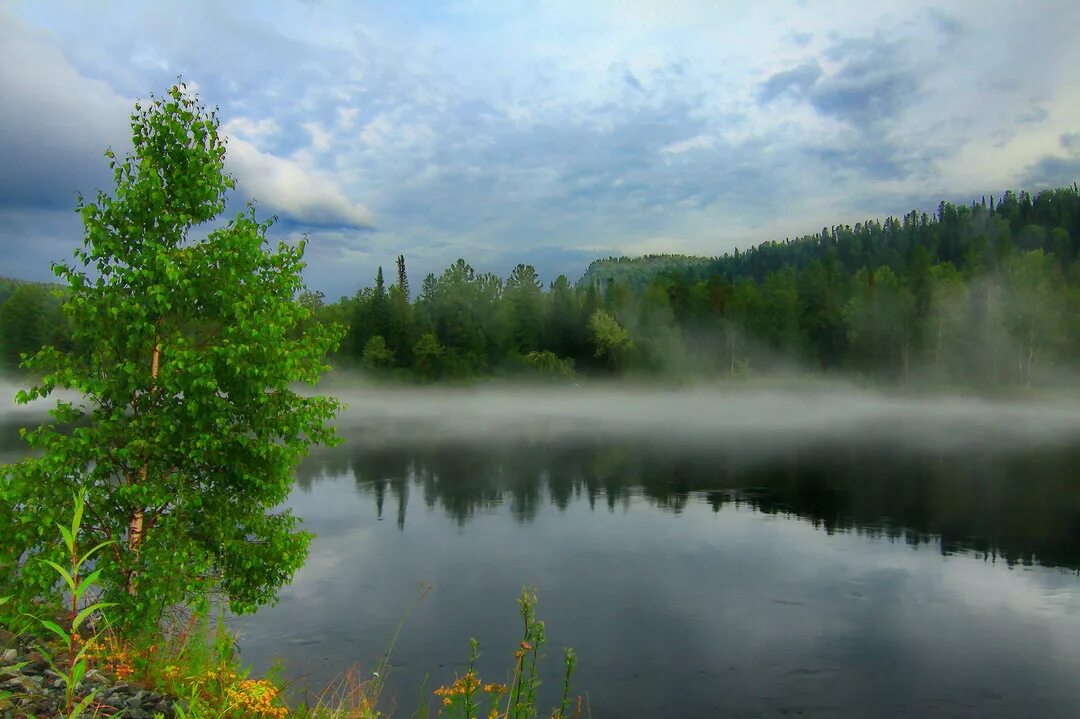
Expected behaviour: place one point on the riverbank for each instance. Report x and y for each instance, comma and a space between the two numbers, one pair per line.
190, 671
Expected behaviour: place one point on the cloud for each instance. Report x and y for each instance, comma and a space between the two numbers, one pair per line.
949, 25
700, 142
297, 193
630, 79
55, 124
796, 81
1058, 169
387, 132
34, 238
250, 129
870, 83
320, 138
346, 117
549, 133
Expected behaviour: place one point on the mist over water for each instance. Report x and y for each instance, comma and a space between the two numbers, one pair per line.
10, 386
745, 419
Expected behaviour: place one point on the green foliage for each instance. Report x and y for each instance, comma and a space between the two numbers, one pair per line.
377, 356
428, 353
71, 635
610, 338
29, 319
189, 428
548, 364
880, 318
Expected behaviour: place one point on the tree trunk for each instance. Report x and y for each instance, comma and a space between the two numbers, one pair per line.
135, 524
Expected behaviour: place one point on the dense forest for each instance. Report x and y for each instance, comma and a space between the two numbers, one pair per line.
984, 293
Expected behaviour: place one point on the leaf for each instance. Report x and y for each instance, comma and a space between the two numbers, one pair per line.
69, 538
78, 709
76, 520
87, 582
87, 555
87, 611
62, 572
55, 629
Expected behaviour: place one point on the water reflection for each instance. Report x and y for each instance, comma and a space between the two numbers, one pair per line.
695, 579
842, 580
1020, 507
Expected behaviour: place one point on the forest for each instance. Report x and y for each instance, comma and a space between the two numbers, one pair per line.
986, 294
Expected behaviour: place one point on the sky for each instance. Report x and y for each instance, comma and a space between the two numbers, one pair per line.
548, 132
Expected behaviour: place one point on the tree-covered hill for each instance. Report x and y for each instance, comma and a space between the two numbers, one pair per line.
986, 293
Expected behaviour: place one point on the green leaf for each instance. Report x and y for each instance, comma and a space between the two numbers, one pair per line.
89, 554
87, 611
76, 519
79, 708
78, 671
62, 572
87, 582
55, 629
69, 538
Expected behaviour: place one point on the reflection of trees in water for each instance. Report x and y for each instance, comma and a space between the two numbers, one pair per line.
1022, 508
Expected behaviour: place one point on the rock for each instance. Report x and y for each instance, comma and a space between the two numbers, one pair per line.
23, 683
26, 683
95, 677
35, 666
30, 687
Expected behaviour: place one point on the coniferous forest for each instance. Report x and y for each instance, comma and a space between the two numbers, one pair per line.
986, 293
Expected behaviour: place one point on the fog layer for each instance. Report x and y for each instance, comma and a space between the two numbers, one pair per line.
743, 417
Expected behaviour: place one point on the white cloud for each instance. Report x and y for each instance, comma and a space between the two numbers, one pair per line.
700, 142
302, 194
250, 129
320, 138
346, 117
383, 132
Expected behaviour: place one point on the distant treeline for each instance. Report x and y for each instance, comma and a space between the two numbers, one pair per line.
986, 293
30, 317
981, 293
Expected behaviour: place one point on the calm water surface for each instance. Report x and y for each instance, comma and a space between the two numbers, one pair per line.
860, 571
